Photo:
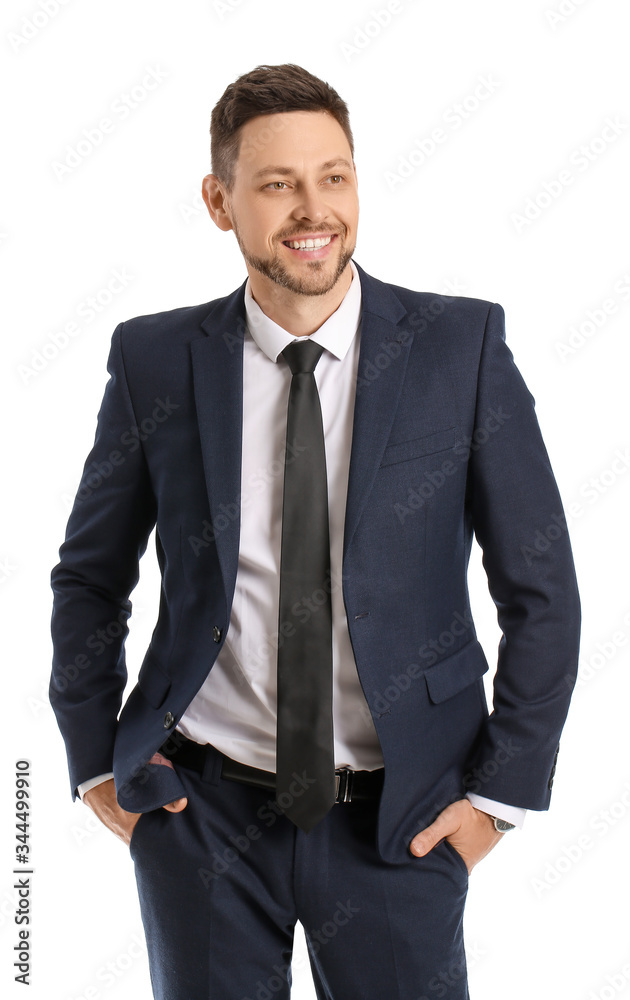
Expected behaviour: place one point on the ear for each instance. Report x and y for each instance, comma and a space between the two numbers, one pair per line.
216, 198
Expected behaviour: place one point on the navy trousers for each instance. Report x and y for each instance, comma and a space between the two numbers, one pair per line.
223, 883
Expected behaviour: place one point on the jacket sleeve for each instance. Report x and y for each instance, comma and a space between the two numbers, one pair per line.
107, 533
518, 520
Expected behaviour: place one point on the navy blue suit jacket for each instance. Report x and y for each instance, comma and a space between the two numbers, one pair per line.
445, 446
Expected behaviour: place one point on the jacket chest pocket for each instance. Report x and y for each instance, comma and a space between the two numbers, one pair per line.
429, 444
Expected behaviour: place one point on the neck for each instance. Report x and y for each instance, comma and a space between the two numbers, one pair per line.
300, 315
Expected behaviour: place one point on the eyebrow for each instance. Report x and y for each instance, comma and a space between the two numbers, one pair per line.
287, 171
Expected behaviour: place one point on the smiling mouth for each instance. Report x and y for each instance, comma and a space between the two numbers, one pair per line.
309, 244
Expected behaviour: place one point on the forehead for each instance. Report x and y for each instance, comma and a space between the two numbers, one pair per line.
291, 138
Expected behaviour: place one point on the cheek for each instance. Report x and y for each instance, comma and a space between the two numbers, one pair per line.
350, 218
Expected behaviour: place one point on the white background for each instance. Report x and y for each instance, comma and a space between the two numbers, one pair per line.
538, 922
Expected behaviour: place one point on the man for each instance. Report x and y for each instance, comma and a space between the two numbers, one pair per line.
309, 737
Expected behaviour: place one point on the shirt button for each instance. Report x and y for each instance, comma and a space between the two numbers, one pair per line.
169, 719
217, 633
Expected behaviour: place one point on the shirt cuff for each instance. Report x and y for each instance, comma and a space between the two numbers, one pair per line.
92, 783
511, 814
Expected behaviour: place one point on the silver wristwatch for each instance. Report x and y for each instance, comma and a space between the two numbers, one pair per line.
502, 825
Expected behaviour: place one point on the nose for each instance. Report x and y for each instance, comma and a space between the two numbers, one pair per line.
310, 205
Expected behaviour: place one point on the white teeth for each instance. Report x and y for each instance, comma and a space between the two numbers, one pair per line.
309, 244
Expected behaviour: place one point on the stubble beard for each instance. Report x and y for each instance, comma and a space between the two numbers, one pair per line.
316, 281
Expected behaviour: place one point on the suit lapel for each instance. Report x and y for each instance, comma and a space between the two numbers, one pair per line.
217, 361
383, 359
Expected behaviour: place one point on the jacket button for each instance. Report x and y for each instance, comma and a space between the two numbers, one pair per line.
217, 633
169, 719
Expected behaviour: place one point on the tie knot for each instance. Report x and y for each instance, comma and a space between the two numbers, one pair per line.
302, 356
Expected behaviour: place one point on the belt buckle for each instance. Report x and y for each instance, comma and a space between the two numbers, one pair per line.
343, 780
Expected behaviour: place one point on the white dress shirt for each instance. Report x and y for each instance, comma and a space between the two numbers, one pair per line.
235, 708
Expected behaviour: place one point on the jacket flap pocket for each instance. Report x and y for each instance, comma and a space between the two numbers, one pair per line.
456, 672
418, 447
153, 680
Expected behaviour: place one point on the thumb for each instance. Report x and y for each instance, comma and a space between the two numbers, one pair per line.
426, 840
176, 806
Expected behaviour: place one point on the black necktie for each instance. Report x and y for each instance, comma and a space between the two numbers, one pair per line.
305, 770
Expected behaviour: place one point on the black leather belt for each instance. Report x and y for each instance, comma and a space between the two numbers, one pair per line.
351, 785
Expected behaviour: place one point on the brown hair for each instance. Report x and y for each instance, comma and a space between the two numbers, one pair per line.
267, 90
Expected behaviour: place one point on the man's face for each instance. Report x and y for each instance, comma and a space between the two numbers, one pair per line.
294, 180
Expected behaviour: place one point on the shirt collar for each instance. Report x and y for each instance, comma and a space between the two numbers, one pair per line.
336, 334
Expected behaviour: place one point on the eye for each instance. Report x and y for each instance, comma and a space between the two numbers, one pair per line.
274, 183
336, 177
